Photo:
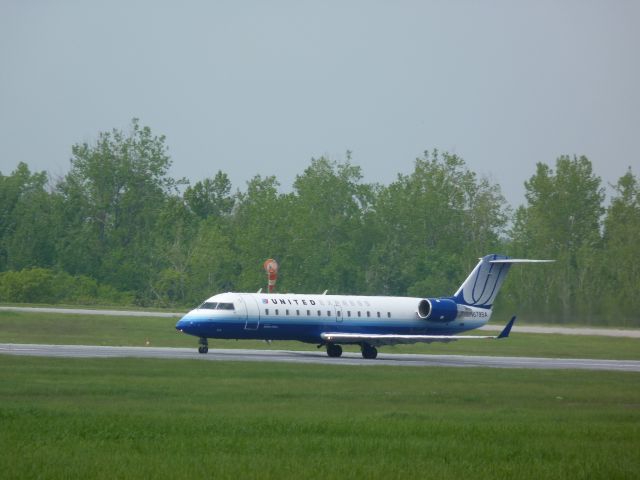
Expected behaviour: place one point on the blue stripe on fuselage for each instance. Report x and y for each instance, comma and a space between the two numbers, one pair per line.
308, 329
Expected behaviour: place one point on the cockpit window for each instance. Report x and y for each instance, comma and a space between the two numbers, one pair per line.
208, 306
225, 306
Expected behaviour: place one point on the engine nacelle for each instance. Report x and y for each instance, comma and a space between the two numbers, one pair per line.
438, 309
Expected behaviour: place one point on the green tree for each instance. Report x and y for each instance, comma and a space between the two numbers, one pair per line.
113, 196
212, 196
621, 269
260, 229
561, 221
27, 212
214, 264
328, 248
430, 226
173, 235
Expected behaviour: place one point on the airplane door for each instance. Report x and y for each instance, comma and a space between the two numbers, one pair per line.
252, 312
338, 310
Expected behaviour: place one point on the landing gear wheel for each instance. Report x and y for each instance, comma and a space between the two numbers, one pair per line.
369, 352
334, 350
203, 349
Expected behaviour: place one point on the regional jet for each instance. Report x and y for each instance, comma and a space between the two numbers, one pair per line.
368, 321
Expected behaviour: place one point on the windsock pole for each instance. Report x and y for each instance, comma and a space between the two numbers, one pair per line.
271, 267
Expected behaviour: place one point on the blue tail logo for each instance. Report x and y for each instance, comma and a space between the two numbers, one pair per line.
482, 285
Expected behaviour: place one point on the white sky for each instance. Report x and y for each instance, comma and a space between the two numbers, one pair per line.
254, 87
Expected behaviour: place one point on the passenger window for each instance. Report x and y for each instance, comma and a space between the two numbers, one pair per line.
328, 313
358, 313
389, 314
277, 311
348, 313
287, 312
297, 312
308, 313
319, 313
266, 311
338, 314
368, 313
378, 314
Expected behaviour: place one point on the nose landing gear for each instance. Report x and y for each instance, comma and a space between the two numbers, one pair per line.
204, 346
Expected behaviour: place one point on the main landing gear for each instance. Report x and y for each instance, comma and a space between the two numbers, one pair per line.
334, 350
204, 346
368, 351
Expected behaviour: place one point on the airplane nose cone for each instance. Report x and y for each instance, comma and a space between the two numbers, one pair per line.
187, 324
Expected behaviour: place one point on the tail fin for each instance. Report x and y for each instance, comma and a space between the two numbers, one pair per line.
483, 283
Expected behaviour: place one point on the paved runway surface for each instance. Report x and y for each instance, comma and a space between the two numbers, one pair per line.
319, 357
605, 332
88, 311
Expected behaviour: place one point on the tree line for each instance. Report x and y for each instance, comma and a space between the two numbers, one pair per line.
117, 228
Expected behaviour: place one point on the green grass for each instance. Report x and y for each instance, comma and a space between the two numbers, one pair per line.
133, 418
28, 327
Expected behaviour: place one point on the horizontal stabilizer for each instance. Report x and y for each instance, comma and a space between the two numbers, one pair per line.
507, 328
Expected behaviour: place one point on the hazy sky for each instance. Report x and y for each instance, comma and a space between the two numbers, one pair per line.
254, 87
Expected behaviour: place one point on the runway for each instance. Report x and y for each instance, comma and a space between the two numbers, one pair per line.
319, 357
90, 311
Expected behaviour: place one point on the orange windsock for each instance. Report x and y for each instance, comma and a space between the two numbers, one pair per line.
271, 267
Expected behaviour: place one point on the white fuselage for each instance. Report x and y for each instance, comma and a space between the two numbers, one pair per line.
306, 317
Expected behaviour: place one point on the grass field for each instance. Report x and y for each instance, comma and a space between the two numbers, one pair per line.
138, 418
21, 327
131, 418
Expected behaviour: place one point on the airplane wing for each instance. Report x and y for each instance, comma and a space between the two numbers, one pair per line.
376, 339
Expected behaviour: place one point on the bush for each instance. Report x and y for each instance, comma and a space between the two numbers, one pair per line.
41, 285
28, 286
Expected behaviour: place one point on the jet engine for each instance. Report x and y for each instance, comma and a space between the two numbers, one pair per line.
438, 309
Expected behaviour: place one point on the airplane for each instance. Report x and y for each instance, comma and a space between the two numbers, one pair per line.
368, 321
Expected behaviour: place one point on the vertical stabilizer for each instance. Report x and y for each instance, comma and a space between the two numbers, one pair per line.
482, 285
